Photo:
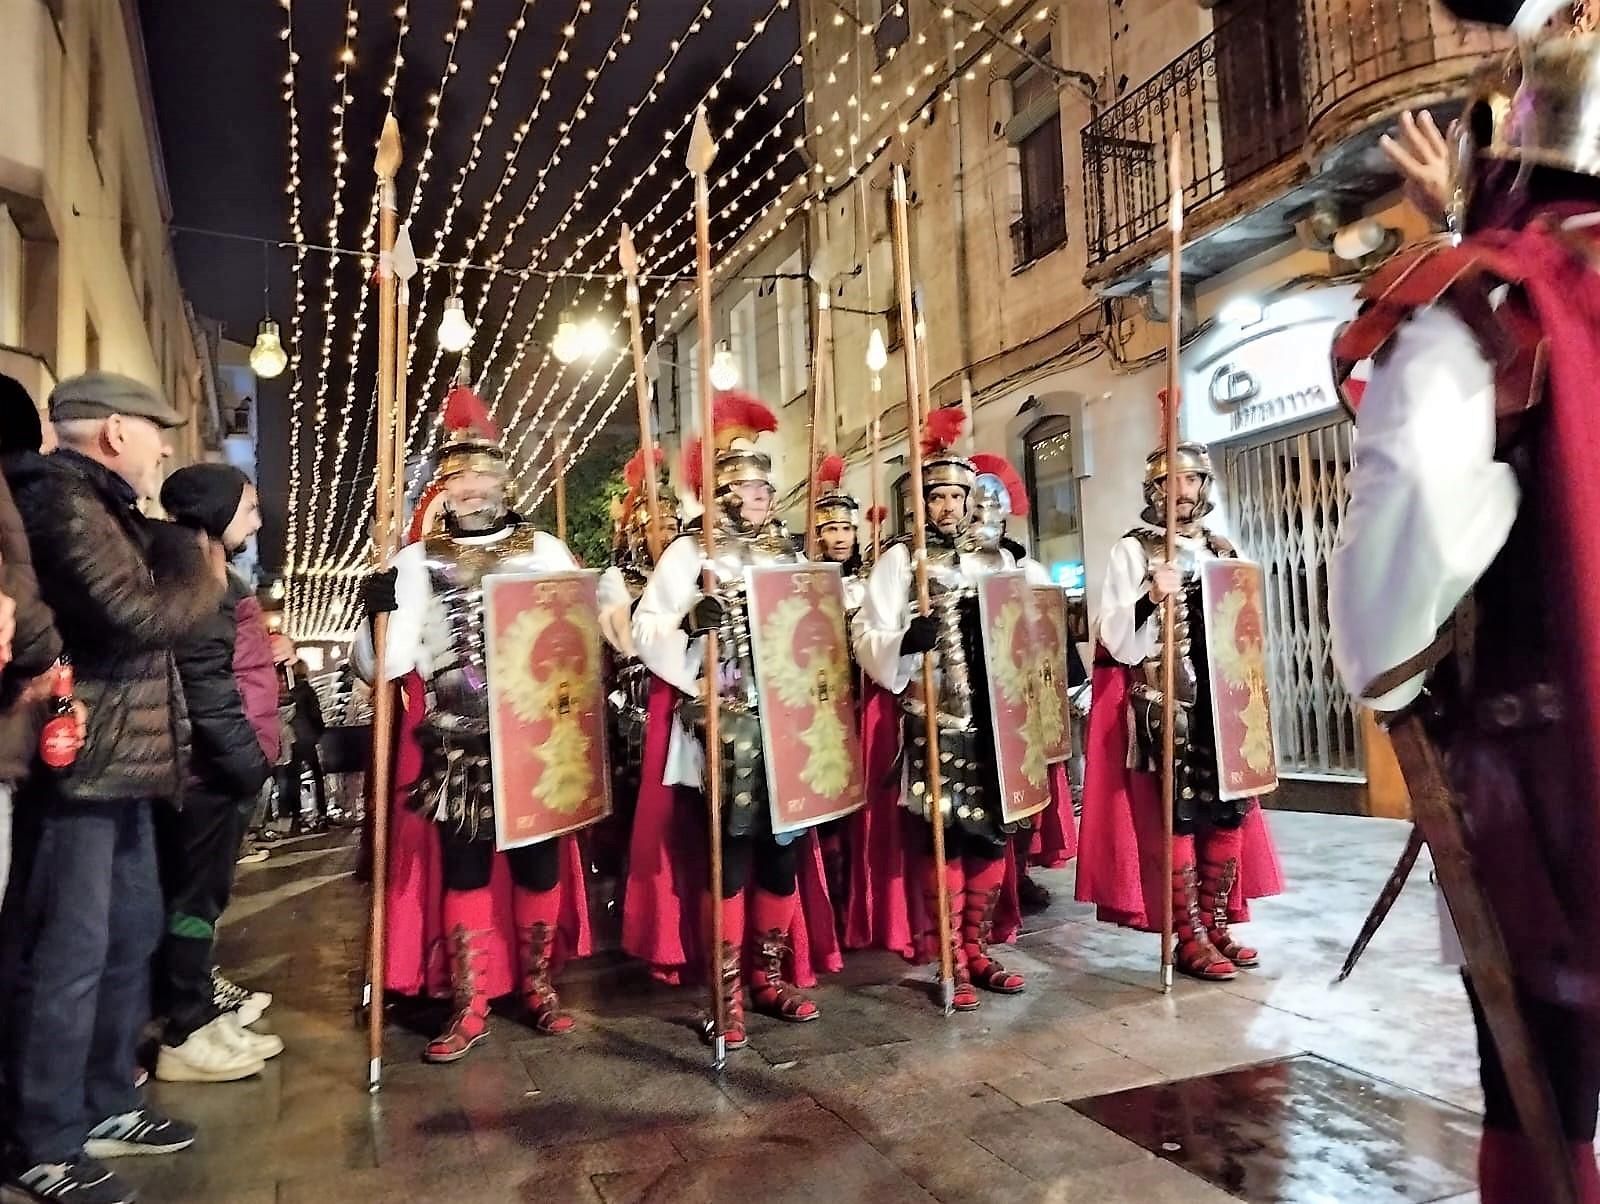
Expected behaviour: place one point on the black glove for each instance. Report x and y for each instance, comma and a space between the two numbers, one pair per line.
377, 593
921, 636
705, 615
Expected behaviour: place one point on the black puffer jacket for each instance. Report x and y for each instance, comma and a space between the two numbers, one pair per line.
124, 589
227, 761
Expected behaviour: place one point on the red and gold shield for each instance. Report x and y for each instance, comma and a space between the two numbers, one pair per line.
1236, 627
1024, 660
546, 712
808, 724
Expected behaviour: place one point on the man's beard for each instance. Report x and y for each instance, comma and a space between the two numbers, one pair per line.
478, 514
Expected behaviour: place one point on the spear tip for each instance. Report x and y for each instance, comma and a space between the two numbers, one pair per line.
387, 163
626, 252
702, 146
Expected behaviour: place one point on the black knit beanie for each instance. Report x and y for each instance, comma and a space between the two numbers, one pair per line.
204, 496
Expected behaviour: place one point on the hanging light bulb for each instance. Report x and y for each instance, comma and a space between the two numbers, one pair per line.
593, 339
267, 357
724, 368
455, 331
877, 353
567, 346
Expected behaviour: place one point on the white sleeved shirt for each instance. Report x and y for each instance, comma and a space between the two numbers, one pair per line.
887, 606
1430, 507
615, 604
1127, 580
417, 635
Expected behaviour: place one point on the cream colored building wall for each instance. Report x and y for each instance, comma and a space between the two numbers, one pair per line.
72, 191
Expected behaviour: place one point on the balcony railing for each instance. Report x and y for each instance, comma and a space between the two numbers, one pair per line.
1248, 96
1039, 231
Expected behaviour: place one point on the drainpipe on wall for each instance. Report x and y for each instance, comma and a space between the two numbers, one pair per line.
958, 201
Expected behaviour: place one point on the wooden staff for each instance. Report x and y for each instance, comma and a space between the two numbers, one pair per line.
561, 491
919, 560
875, 515
386, 165
405, 267
818, 370
1169, 608
641, 390
702, 152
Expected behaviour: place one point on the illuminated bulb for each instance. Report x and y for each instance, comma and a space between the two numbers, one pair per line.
455, 331
267, 358
724, 369
877, 353
593, 338
567, 346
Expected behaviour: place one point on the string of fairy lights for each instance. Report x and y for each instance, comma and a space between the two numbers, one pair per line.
321, 588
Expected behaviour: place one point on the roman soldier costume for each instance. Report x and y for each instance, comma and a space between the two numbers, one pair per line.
837, 510
1462, 594
768, 871
1221, 855
889, 641
436, 633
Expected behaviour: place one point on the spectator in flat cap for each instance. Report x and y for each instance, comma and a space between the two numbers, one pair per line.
198, 843
85, 913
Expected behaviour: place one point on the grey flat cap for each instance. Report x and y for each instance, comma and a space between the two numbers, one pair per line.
102, 394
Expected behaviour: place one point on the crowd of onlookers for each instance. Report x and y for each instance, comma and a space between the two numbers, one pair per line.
171, 713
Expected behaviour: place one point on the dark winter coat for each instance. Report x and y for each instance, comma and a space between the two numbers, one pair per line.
34, 647
257, 675
227, 762
308, 721
125, 590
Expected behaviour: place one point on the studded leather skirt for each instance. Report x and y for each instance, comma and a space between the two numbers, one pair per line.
456, 785
969, 781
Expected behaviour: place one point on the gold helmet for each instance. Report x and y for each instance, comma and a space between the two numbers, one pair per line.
631, 512
1187, 457
834, 505
1541, 105
941, 463
472, 443
735, 417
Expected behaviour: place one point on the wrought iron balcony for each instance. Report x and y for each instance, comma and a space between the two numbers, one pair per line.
1272, 110
1039, 231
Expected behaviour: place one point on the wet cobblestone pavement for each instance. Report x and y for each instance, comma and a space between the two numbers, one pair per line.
884, 1099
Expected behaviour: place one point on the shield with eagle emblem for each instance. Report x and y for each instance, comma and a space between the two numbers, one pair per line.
546, 706
1236, 626
1024, 662
808, 725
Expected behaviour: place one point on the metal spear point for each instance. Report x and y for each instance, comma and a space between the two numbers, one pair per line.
702, 152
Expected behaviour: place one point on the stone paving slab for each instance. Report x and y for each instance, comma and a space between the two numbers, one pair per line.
882, 1100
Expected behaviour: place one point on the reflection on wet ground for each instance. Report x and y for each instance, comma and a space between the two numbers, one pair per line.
1071, 1092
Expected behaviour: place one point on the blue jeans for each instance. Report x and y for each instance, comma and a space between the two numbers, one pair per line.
83, 921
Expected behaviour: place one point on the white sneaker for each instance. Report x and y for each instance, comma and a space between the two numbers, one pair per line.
247, 1006
208, 1056
265, 1046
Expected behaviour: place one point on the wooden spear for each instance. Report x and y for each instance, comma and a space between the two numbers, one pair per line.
821, 374
1169, 609
561, 491
919, 559
702, 152
386, 165
641, 390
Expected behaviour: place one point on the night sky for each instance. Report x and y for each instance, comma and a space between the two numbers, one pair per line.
217, 71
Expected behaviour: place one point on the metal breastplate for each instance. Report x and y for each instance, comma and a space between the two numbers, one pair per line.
455, 632
954, 604
1185, 681
735, 552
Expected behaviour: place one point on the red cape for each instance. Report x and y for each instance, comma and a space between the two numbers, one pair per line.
667, 874
416, 955
1121, 832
